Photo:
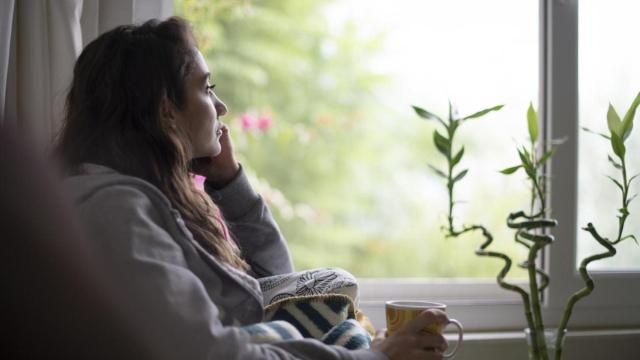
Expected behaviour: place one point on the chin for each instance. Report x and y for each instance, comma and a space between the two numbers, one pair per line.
209, 151
215, 149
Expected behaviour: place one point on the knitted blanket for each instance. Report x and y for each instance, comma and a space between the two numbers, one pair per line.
330, 318
318, 303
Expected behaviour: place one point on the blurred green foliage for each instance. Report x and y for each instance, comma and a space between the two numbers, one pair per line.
343, 180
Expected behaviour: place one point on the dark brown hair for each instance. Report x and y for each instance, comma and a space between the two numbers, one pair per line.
113, 118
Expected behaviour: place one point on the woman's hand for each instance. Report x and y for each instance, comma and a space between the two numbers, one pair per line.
410, 342
222, 168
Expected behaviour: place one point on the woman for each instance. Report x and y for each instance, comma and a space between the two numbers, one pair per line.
141, 115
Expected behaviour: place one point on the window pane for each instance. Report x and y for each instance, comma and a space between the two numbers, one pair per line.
341, 156
609, 73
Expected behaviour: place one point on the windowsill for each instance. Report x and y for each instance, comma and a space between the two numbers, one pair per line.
482, 306
508, 336
619, 344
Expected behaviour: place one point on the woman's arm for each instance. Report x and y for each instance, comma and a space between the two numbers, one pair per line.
252, 226
246, 213
160, 297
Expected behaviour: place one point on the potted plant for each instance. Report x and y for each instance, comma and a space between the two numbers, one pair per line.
532, 227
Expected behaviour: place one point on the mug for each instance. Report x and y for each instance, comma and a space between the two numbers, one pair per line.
401, 312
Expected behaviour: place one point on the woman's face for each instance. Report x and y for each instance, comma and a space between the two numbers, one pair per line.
199, 118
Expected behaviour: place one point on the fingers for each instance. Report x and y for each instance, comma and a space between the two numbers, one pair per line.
225, 133
412, 342
427, 342
433, 342
378, 339
426, 318
409, 346
431, 355
421, 354
226, 144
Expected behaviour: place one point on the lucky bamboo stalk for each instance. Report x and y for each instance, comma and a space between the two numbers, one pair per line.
619, 131
532, 229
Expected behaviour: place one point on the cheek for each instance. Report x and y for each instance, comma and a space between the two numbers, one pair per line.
206, 112
199, 118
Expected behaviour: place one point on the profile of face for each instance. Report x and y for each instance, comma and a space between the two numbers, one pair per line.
199, 117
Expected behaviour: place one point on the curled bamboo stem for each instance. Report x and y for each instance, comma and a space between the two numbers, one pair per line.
481, 251
589, 285
584, 274
525, 231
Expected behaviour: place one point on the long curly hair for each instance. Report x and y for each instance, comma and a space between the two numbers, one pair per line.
113, 117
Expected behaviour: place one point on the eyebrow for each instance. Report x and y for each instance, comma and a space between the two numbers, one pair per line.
206, 76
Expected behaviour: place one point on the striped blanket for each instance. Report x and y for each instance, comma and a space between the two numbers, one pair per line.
317, 303
330, 318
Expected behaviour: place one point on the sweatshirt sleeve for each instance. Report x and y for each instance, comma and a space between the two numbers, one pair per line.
160, 298
252, 227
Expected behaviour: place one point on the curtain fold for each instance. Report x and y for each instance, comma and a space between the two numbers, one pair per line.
48, 42
39, 43
7, 8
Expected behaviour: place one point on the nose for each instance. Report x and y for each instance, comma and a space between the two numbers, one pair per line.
221, 108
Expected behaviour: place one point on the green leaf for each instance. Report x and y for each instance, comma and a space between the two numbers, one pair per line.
526, 163
613, 121
596, 133
527, 154
437, 171
510, 170
633, 178
525, 157
458, 157
631, 237
530, 172
427, 115
617, 183
441, 142
453, 126
617, 145
615, 164
546, 156
532, 120
453, 112
482, 112
631, 199
460, 175
627, 121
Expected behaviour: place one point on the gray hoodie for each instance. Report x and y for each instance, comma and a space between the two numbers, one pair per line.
187, 304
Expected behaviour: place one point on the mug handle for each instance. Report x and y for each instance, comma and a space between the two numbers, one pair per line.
455, 349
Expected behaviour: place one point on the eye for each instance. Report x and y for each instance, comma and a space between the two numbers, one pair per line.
210, 87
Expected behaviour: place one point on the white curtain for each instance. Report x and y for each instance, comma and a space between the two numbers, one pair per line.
39, 43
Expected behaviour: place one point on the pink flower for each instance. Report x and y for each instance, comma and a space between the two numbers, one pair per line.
247, 121
264, 123
198, 181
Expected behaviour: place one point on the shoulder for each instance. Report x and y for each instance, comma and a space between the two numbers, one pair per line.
107, 185
107, 197
128, 217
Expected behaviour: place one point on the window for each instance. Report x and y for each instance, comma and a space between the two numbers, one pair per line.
609, 72
614, 303
320, 95
322, 117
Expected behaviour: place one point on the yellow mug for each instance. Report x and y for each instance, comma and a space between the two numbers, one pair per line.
401, 312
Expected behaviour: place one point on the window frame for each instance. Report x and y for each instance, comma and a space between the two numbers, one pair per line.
482, 305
